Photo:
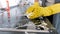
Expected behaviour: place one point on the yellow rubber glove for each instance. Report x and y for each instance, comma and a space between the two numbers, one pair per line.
35, 10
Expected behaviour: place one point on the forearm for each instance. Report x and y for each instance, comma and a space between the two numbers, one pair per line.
50, 10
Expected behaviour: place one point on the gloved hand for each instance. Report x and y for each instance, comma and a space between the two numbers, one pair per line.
34, 11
